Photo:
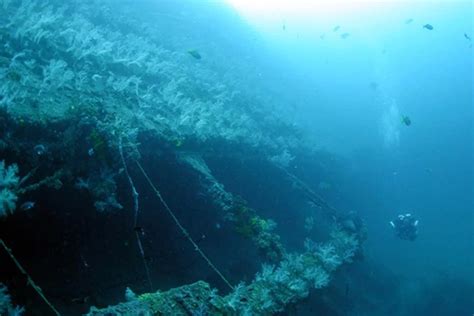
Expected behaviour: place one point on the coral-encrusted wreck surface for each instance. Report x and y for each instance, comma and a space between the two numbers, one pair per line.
272, 290
135, 157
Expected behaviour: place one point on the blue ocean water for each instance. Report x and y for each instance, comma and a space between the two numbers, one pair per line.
350, 94
243, 114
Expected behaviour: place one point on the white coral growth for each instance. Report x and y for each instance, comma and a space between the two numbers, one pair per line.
328, 256
6, 306
8, 182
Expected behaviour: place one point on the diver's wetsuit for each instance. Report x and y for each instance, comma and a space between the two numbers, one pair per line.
406, 227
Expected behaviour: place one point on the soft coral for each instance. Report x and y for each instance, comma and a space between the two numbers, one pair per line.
8, 183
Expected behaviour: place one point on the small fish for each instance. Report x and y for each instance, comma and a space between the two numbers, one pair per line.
283, 27
467, 37
374, 85
80, 300
28, 205
336, 28
91, 152
178, 142
428, 27
406, 120
408, 21
345, 35
194, 53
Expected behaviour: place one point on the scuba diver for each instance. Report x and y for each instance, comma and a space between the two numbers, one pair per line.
405, 226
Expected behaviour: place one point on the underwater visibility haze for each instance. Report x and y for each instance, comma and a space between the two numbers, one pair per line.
236, 157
